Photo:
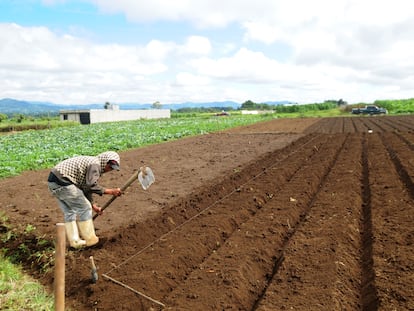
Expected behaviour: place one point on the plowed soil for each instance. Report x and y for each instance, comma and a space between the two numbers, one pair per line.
291, 214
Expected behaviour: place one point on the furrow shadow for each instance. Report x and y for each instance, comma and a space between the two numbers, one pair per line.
369, 297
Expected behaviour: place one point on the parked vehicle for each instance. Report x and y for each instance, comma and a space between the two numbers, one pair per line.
369, 109
222, 113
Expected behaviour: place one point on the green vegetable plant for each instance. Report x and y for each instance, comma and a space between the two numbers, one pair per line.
38, 149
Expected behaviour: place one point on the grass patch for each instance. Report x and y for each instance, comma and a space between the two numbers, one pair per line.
20, 247
29, 123
19, 292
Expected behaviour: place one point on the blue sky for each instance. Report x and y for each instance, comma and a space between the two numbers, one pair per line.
129, 51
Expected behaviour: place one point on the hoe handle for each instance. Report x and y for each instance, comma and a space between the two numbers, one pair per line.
123, 188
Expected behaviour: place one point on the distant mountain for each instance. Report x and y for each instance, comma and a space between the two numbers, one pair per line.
12, 106
276, 103
222, 104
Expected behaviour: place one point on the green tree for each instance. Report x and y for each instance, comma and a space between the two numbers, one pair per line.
107, 105
248, 105
156, 105
341, 102
19, 117
3, 117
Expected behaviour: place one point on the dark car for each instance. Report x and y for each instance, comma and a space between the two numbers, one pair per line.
369, 109
223, 113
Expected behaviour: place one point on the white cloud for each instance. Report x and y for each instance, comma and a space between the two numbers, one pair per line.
203, 13
244, 65
37, 48
36, 62
354, 34
191, 80
197, 45
262, 32
351, 49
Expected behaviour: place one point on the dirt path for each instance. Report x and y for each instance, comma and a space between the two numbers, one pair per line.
288, 214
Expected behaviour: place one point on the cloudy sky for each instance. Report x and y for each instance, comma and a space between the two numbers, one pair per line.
173, 51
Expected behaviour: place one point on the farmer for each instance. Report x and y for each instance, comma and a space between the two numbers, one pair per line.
72, 182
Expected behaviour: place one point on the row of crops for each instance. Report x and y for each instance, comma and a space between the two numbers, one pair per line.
38, 149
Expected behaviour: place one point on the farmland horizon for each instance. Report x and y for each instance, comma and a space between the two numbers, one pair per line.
11, 105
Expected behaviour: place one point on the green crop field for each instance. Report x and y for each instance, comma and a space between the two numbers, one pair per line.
38, 149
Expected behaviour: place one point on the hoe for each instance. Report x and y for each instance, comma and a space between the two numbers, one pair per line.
145, 177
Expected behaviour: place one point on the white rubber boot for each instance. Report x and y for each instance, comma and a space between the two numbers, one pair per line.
87, 231
72, 234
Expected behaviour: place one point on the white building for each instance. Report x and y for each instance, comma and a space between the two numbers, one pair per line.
89, 116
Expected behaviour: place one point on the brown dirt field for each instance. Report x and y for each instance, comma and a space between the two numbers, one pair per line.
291, 214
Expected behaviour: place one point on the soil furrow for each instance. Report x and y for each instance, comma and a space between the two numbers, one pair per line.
392, 219
223, 225
257, 246
354, 126
407, 138
397, 125
403, 121
402, 162
303, 214
374, 124
361, 124
224, 221
194, 203
321, 267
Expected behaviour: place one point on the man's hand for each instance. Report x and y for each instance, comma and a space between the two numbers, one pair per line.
115, 191
97, 209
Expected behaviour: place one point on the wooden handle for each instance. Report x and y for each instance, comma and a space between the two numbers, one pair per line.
123, 188
94, 272
92, 263
130, 181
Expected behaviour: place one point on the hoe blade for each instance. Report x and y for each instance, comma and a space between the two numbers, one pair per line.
146, 177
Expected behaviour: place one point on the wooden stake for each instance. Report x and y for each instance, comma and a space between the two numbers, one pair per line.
59, 283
